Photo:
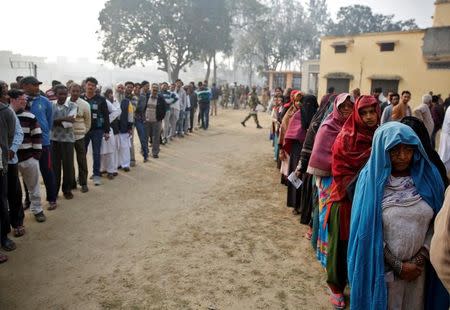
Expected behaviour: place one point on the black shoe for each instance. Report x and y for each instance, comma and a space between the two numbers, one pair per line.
243, 124
259, 127
126, 169
40, 217
84, 189
110, 176
155, 156
145, 160
8, 245
68, 195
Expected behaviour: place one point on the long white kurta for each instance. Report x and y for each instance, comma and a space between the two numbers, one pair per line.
444, 144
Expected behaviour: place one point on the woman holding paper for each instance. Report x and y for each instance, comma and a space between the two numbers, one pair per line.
294, 138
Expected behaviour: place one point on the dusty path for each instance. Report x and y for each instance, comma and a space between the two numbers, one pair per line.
200, 228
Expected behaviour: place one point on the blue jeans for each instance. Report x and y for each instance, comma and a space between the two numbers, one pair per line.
96, 136
204, 115
143, 137
48, 175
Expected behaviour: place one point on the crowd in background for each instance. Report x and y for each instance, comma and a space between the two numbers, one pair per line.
50, 134
371, 193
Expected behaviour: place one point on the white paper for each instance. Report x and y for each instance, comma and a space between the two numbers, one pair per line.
66, 124
295, 180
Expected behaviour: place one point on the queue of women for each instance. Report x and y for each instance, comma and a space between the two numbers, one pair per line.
370, 196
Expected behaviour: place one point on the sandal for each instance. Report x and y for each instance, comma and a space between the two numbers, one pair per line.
19, 231
337, 300
3, 258
308, 234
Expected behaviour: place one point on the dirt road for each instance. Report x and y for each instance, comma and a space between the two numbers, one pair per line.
200, 228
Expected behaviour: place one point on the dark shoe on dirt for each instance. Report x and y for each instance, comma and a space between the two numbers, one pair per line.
8, 245
40, 217
84, 189
243, 124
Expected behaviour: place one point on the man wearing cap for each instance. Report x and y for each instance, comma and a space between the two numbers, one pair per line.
42, 108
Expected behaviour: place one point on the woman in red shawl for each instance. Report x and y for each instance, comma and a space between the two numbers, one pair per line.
350, 152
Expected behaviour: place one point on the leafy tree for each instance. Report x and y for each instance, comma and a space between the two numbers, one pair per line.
318, 21
360, 19
135, 31
214, 30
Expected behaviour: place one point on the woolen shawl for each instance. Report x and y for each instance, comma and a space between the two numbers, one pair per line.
365, 247
320, 161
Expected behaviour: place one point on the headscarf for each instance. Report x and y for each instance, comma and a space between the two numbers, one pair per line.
421, 131
350, 152
287, 117
365, 248
321, 114
320, 161
300, 122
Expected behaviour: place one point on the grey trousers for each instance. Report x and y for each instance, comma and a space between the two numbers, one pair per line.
154, 131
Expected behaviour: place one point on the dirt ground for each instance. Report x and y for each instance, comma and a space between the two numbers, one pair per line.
203, 227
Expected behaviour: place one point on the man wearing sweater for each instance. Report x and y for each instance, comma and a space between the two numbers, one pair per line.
63, 139
204, 99
29, 151
42, 108
171, 99
81, 126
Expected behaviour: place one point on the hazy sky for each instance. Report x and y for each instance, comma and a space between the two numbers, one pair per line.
67, 28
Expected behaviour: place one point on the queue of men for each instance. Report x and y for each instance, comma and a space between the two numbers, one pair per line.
47, 134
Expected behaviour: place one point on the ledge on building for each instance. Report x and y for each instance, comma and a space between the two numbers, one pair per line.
385, 77
343, 43
338, 75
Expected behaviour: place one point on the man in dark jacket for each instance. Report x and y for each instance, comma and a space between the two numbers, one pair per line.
155, 112
99, 124
126, 120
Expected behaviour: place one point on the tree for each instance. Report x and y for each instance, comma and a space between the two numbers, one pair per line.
279, 36
214, 30
318, 21
135, 31
360, 19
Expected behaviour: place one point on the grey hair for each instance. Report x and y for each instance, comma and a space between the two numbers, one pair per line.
426, 99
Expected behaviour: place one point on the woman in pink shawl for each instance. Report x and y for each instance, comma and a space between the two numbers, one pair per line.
320, 165
293, 141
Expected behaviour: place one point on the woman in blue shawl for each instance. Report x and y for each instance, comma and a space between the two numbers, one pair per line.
398, 193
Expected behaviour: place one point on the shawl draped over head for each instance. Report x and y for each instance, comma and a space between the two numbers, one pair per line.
289, 112
350, 152
321, 114
320, 161
300, 122
421, 131
365, 247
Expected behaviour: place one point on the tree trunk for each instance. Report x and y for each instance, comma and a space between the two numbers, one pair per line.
174, 74
214, 68
208, 67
